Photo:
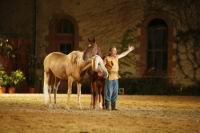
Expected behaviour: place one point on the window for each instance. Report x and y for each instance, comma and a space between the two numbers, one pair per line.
65, 26
157, 47
65, 48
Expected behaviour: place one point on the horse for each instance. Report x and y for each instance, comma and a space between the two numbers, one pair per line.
97, 89
96, 81
71, 67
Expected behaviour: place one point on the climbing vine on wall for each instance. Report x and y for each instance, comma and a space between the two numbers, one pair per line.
128, 38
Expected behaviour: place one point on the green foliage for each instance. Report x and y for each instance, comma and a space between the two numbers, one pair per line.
16, 77
12, 80
31, 78
128, 38
149, 86
4, 79
190, 90
156, 86
5, 48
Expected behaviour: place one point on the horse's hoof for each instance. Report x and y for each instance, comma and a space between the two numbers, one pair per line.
100, 106
80, 105
67, 107
51, 106
55, 106
91, 106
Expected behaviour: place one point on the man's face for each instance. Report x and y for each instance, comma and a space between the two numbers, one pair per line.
113, 51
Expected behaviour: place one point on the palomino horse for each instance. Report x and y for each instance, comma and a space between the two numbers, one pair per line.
58, 66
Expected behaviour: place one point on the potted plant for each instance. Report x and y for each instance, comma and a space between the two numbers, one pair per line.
4, 81
15, 78
6, 48
31, 81
31, 77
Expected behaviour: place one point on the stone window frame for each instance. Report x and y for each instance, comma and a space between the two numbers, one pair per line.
52, 28
142, 50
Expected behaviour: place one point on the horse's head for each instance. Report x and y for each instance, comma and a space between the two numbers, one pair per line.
91, 50
93, 53
95, 64
92, 42
98, 65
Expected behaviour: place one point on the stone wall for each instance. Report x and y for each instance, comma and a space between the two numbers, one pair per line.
186, 45
107, 21
16, 18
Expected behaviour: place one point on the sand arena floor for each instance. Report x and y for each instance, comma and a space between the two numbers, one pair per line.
26, 113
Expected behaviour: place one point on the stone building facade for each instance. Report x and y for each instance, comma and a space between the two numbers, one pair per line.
66, 25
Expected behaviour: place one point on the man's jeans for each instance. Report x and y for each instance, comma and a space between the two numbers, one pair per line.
111, 90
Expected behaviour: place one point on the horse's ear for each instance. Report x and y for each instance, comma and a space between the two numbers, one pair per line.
89, 40
94, 40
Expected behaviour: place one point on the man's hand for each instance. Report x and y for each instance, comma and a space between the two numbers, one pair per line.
130, 48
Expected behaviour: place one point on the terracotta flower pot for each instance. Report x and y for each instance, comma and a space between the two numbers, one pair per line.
32, 90
2, 90
11, 90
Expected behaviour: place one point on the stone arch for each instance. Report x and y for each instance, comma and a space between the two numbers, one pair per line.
144, 43
61, 39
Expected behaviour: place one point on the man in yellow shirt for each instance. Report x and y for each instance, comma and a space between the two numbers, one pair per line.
111, 84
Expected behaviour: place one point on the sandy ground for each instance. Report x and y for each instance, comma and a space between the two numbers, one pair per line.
25, 113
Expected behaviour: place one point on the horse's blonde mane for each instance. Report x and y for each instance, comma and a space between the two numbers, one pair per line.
76, 57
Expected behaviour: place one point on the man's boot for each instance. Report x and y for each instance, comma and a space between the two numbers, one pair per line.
113, 105
107, 104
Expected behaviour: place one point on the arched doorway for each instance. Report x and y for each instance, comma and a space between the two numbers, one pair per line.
63, 34
157, 49
63, 37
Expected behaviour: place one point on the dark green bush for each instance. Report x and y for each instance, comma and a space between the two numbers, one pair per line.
155, 86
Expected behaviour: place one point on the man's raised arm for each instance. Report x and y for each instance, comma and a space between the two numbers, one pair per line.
130, 48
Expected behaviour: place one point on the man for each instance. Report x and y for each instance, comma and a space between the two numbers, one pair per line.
111, 84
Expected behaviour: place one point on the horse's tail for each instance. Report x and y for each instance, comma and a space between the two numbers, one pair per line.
45, 89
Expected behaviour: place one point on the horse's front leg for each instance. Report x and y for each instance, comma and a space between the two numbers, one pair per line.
79, 94
93, 94
46, 87
91, 102
70, 81
100, 89
57, 83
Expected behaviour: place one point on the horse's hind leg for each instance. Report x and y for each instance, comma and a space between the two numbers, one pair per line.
46, 87
52, 83
56, 85
49, 91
